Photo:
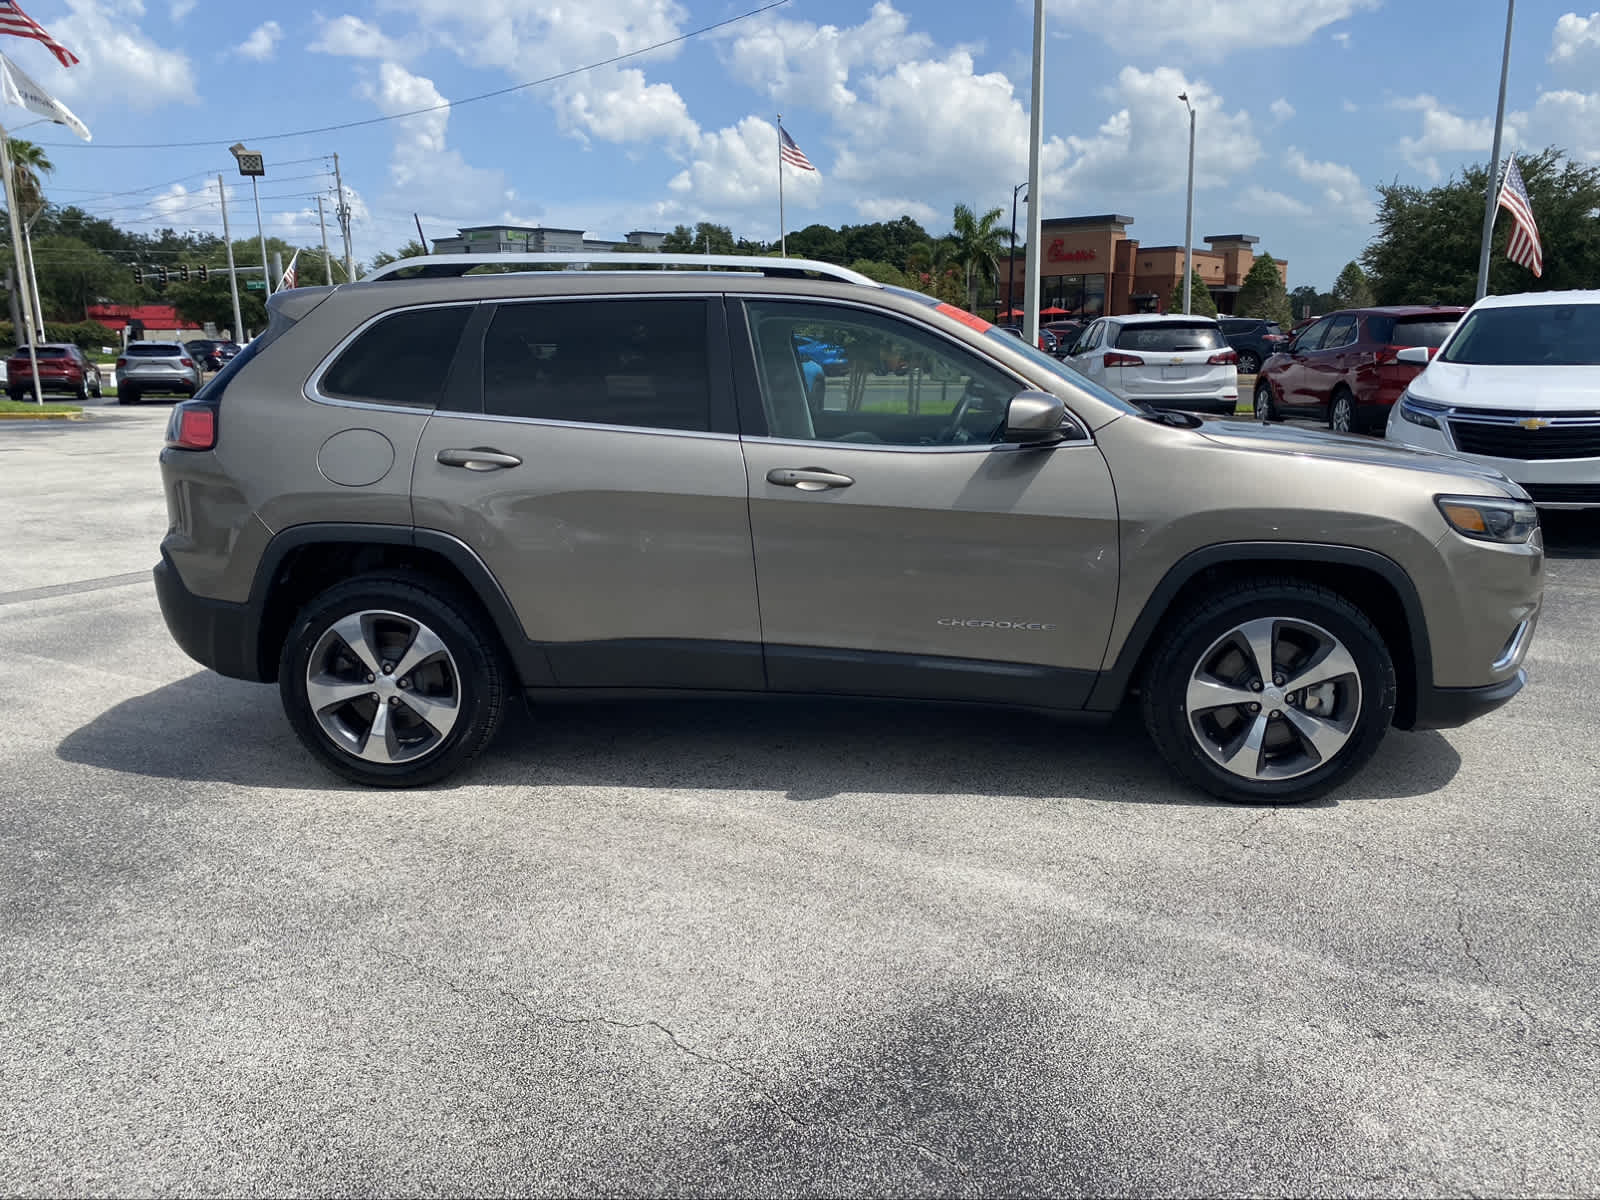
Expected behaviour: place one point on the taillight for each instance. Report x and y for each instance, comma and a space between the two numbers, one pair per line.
1113, 359
1223, 358
193, 427
121, 362
184, 362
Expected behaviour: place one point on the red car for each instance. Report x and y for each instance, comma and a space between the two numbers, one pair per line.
62, 368
1342, 369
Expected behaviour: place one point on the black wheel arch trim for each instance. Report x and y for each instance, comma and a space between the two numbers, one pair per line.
1113, 684
528, 658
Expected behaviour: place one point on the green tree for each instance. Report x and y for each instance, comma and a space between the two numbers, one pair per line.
73, 275
822, 243
412, 249
28, 164
1426, 247
1262, 294
931, 268
1200, 301
1305, 297
977, 244
704, 238
1352, 289
880, 271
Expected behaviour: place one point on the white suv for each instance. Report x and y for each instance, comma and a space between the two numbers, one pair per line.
1516, 386
1161, 361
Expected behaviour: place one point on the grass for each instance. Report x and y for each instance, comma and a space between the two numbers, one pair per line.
29, 408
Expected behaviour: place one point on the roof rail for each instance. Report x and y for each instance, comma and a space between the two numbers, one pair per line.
443, 266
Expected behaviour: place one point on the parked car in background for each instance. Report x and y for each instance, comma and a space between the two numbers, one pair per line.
155, 368
1048, 342
63, 368
832, 359
1255, 340
1345, 367
212, 355
1066, 332
1515, 387
1163, 361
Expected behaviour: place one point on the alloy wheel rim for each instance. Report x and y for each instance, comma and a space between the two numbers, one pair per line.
1273, 698
1341, 414
1263, 403
384, 688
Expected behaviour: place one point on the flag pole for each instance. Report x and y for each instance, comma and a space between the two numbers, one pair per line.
783, 237
1492, 200
16, 249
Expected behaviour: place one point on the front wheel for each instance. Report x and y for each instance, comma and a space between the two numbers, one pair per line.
1272, 691
391, 680
1266, 407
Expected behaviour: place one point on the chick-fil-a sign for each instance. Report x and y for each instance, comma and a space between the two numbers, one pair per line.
1059, 253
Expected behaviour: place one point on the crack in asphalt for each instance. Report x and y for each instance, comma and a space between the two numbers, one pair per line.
1256, 821
761, 1090
1466, 942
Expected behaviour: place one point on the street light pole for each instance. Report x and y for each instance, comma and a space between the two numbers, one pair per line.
233, 276
1188, 218
1030, 301
1492, 200
1011, 267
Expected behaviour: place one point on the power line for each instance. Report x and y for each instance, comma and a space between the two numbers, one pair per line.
288, 162
416, 112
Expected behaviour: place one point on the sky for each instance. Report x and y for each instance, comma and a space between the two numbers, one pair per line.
904, 106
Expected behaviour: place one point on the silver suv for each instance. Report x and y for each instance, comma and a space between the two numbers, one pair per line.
148, 368
415, 496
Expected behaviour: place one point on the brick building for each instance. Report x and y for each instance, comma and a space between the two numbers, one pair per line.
1091, 266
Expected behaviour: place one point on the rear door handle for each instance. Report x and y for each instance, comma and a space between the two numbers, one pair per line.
808, 479
479, 458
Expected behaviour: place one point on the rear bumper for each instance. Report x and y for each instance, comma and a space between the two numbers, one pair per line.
159, 383
215, 633
1449, 707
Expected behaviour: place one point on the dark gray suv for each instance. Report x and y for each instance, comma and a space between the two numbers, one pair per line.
413, 497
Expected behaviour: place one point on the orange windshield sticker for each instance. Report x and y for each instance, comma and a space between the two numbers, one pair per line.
966, 318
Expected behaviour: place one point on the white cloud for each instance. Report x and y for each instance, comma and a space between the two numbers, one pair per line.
118, 62
735, 170
1575, 40
182, 8
1343, 38
1144, 145
1567, 119
1350, 106
423, 166
1445, 132
1259, 201
1208, 27
351, 37
1281, 110
1341, 192
619, 106
263, 43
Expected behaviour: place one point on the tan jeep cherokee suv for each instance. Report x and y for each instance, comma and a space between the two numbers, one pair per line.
413, 495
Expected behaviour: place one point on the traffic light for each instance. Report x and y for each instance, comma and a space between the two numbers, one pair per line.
204, 273
161, 276
138, 277
183, 274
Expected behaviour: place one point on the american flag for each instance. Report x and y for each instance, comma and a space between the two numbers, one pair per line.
291, 277
17, 23
1523, 245
790, 153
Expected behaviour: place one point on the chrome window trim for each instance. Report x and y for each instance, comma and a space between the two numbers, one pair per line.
897, 448
549, 422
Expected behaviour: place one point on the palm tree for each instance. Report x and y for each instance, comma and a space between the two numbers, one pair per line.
28, 163
978, 244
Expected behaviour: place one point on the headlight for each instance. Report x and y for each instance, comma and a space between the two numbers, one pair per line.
1489, 520
1419, 412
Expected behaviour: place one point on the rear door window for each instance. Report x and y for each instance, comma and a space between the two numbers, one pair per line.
1170, 337
1422, 331
640, 363
403, 359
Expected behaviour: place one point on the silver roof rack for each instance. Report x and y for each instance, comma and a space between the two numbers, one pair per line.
444, 266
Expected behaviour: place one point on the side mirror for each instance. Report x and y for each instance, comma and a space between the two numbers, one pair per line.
1417, 356
1034, 417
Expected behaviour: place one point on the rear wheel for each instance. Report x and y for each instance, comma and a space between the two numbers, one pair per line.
390, 680
1342, 411
1272, 691
1249, 362
127, 395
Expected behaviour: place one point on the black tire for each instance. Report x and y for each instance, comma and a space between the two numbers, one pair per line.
127, 395
1249, 362
83, 390
99, 391
1265, 405
1190, 639
475, 670
16, 396
1342, 414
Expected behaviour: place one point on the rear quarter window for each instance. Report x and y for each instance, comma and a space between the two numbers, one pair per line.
1170, 336
401, 359
1430, 332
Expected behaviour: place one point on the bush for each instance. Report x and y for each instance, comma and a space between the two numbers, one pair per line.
86, 335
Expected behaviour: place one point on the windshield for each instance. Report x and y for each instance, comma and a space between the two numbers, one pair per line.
1061, 371
1170, 336
1543, 335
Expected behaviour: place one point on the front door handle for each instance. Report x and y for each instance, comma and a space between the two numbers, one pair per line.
479, 458
808, 479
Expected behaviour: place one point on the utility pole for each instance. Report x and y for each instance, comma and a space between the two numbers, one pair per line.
1492, 200
16, 249
1188, 216
233, 279
1030, 328
327, 263
342, 212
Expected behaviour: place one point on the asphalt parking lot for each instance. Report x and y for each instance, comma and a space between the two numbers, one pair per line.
774, 948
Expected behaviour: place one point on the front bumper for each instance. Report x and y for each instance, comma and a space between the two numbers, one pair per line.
1449, 707
215, 633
